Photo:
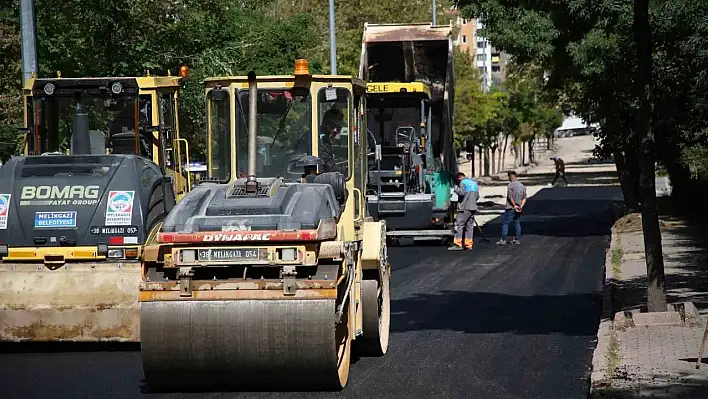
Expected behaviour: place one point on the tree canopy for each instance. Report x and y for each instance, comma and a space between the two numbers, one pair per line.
638, 68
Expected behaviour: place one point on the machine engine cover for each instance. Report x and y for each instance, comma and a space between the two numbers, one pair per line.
54, 200
277, 206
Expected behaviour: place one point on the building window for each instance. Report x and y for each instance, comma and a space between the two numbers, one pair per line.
481, 57
464, 21
464, 38
481, 70
481, 44
496, 68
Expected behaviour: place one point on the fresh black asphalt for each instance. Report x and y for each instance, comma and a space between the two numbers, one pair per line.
496, 322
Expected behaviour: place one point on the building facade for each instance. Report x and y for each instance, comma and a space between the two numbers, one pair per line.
490, 62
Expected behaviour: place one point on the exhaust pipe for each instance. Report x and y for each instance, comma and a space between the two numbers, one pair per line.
80, 139
251, 182
252, 121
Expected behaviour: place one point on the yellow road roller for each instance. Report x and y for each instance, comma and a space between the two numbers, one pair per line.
271, 271
102, 167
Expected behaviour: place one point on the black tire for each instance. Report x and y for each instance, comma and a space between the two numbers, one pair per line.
156, 207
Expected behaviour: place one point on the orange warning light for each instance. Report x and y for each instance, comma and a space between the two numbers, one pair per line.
301, 67
184, 71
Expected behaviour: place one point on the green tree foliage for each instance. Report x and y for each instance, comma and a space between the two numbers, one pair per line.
351, 16
593, 52
520, 108
127, 38
469, 100
10, 89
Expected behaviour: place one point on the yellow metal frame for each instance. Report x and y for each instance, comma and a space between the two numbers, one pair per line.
347, 230
154, 86
398, 87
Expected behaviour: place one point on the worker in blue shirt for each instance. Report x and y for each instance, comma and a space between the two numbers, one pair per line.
467, 192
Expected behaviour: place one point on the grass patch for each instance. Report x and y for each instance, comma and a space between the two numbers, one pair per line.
612, 356
617, 253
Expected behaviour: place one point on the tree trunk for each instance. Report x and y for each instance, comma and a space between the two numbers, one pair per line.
626, 179
531, 155
502, 158
494, 160
631, 156
472, 161
523, 154
656, 289
481, 160
486, 161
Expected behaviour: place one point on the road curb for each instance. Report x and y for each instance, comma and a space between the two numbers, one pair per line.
501, 176
600, 369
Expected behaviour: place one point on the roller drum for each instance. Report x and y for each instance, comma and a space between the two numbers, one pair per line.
244, 343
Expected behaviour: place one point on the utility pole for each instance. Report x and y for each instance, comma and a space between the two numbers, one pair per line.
435, 17
29, 47
484, 157
484, 67
332, 40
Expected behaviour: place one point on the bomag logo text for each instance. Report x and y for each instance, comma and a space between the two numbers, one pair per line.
57, 195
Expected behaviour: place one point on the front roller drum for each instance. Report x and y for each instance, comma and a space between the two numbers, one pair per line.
376, 304
286, 344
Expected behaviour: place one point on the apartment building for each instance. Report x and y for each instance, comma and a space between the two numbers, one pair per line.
490, 61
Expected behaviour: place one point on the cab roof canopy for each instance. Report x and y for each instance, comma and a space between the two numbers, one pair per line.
128, 82
374, 33
287, 80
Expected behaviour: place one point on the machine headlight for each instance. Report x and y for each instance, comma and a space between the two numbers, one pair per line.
49, 89
188, 255
288, 254
116, 253
116, 88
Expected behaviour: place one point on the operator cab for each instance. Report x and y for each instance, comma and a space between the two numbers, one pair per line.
296, 118
304, 123
399, 120
102, 116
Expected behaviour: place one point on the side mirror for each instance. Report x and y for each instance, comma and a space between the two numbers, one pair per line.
378, 152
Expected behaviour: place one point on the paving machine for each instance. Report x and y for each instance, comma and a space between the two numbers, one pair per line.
102, 167
410, 106
270, 279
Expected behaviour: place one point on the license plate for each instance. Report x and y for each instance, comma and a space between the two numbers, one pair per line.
231, 254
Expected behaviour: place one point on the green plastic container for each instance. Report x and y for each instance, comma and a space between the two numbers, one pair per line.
440, 184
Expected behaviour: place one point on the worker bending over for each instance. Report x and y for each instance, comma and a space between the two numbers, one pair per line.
468, 193
560, 170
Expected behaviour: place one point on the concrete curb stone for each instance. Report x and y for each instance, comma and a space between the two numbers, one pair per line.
501, 176
684, 314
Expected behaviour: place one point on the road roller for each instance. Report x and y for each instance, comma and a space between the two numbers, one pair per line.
270, 272
102, 166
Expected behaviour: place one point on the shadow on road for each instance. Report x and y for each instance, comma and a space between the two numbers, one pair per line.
486, 312
575, 175
65, 347
565, 212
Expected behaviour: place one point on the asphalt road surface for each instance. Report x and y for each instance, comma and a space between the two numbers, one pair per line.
497, 322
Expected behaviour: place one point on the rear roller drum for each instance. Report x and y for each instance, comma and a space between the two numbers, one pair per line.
376, 314
271, 344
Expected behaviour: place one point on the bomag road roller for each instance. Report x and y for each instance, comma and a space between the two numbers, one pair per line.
101, 169
270, 279
410, 70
